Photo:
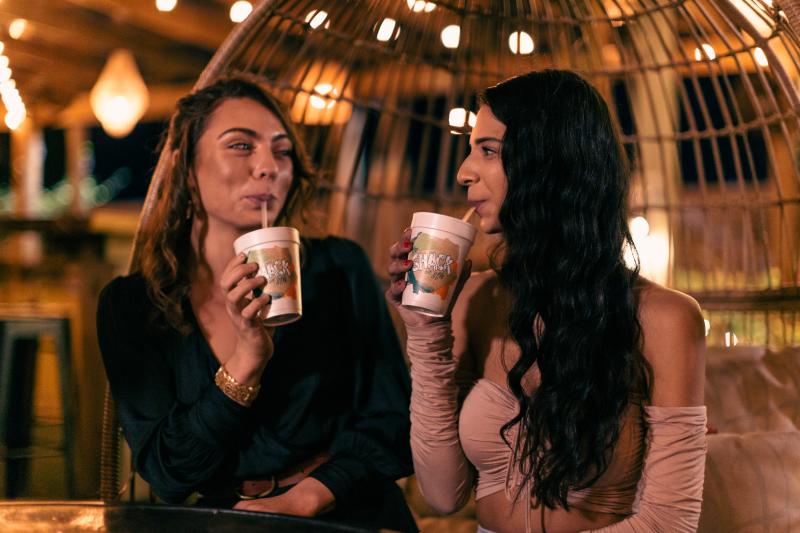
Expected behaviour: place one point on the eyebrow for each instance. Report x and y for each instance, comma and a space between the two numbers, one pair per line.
485, 139
252, 133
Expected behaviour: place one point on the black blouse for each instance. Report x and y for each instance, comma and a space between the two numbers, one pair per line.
337, 382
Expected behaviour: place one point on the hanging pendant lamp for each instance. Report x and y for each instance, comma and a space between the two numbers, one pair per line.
119, 98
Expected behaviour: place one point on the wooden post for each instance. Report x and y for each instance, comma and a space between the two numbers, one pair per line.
27, 168
77, 167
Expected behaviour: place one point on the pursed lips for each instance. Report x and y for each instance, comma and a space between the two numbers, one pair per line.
476, 204
258, 199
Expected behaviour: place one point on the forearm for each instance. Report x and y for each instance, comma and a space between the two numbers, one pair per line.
443, 472
188, 446
671, 490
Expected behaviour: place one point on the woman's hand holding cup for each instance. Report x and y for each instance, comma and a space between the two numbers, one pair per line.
399, 266
254, 345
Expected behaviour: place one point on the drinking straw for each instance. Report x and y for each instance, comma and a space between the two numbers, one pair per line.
264, 215
468, 214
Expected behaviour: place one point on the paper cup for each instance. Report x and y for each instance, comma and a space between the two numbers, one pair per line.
440, 245
277, 252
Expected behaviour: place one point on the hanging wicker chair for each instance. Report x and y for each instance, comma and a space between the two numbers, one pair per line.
706, 93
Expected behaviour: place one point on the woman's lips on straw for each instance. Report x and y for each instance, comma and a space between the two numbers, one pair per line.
258, 199
477, 205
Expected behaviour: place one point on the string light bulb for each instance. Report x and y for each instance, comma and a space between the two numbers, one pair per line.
761, 57
166, 5
17, 28
459, 118
388, 30
451, 36
418, 6
317, 18
707, 50
240, 11
520, 43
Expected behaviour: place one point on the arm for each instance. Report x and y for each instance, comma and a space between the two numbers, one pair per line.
444, 474
671, 488
176, 446
373, 447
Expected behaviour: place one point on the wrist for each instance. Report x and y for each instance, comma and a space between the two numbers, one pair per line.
311, 497
246, 369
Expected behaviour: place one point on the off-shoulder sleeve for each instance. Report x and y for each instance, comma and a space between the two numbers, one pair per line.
444, 474
671, 488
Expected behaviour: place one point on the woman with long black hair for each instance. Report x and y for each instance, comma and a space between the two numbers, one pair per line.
565, 385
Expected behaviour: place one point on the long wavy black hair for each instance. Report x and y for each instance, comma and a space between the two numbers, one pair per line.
574, 307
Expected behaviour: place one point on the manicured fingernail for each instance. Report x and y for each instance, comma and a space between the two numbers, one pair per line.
406, 244
257, 292
408, 263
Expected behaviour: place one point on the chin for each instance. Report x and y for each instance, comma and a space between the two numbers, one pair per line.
490, 227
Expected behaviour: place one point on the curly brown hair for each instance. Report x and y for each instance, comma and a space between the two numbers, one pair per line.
166, 257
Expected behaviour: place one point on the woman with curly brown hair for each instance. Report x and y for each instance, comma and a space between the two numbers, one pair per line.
307, 419
564, 380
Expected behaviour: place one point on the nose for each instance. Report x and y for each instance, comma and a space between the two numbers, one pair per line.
467, 175
266, 167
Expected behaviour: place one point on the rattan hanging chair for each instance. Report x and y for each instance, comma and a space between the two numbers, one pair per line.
705, 92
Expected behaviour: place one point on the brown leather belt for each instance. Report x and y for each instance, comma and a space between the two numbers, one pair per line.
251, 489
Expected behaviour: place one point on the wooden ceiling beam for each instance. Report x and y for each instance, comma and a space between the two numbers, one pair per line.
63, 25
202, 25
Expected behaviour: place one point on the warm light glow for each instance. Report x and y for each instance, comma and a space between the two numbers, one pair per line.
120, 97
451, 35
458, 118
17, 28
760, 24
324, 89
761, 57
639, 228
2, 46
3, 61
708, 326
166, 5
319, 101
615, 9
652, 246
7, 86
15, 118
5, 74
316, 18
240, 10
386, 31
731, 339
417, 6
520, 43
708, 50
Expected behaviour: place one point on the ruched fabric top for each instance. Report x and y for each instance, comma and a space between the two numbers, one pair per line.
451, 443
490, 405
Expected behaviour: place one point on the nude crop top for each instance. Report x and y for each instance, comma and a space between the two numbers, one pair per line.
490, 405
662, 469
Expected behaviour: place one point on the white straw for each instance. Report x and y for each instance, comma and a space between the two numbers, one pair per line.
468, 214
264, 215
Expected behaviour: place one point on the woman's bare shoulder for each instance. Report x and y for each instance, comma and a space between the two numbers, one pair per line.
673, 342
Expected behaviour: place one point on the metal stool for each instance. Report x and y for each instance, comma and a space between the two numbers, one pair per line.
20, 341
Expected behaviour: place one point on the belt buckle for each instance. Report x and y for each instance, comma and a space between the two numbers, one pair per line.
264, 493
